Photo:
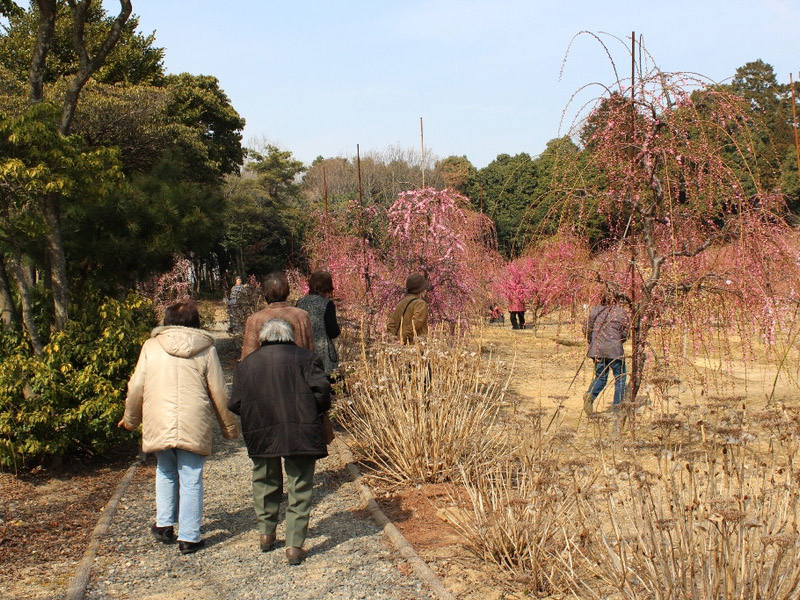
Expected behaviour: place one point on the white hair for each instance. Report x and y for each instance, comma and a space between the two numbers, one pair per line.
276, 330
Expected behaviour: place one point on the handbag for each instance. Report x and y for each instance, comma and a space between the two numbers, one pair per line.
327, 427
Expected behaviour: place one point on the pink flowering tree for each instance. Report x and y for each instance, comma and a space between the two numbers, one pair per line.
435, 233
173, 286
347, 243
547, 276
667, 170
370, 253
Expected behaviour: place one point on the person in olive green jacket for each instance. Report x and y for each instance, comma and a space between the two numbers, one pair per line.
410, 319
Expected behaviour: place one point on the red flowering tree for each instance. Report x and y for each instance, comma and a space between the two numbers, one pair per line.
667, 169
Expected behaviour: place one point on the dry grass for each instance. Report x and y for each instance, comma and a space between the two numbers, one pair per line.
717, 521
520, 513
697, 497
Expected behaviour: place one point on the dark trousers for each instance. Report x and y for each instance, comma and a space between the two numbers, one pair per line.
517, 319
268, 489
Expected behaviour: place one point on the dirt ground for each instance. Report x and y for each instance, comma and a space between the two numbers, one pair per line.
46, 517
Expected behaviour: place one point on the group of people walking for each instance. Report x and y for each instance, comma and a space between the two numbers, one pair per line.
281, 392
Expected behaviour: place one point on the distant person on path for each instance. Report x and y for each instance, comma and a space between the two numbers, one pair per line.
516, 308
236, 291
276, 291
410, 319
606, 331
281, 393
324, 326
176, 391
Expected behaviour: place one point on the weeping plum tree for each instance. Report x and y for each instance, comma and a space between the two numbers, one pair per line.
666, 166
425, 231
437, 234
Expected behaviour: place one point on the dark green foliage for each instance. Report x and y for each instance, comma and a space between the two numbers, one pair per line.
67, 401
171, 140
135, 233
504, 190
264, 216
457, 173
213, 144
133, 61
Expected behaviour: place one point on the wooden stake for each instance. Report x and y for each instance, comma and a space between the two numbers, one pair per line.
326, 217
634, 362
794, 119
367, 282
360, 188
325, 189
422, 150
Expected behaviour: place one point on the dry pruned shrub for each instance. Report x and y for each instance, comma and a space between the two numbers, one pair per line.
715, 524
520, 514
418, 412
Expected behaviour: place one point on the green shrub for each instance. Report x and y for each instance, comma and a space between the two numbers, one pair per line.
67, 401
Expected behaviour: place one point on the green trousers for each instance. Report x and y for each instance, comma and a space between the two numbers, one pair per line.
268, 489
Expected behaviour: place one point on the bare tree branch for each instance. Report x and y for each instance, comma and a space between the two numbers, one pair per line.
88, 64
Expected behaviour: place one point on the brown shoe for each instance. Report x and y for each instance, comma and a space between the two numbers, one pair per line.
165, 535
295, 555
190, 547
266, 541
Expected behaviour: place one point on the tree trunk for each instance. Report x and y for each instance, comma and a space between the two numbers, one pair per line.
9, 314
18, 274
57, 260
639, 332
44, 34
88, 64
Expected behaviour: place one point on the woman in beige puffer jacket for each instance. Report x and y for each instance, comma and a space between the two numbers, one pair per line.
175, 392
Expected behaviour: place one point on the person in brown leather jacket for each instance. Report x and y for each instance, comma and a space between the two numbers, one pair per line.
276, 291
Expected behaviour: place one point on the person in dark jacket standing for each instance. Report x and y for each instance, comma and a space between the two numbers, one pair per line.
324, 326
281, 392
606, 330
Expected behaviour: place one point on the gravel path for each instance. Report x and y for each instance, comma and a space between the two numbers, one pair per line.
349, 558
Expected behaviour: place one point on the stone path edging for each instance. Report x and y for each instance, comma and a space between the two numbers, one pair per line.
399, 541
80, 580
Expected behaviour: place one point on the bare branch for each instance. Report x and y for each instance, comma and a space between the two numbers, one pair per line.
88, 65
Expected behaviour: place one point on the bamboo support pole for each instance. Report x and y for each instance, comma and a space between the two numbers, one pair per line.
794, 120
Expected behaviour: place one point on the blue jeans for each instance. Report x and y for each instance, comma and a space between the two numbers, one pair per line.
601, 368
179, 492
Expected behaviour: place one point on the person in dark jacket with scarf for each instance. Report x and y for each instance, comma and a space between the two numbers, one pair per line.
281, 392
324, 326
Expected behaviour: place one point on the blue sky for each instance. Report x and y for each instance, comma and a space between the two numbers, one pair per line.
319, 77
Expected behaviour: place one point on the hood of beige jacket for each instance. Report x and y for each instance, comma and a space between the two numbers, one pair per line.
183, 342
